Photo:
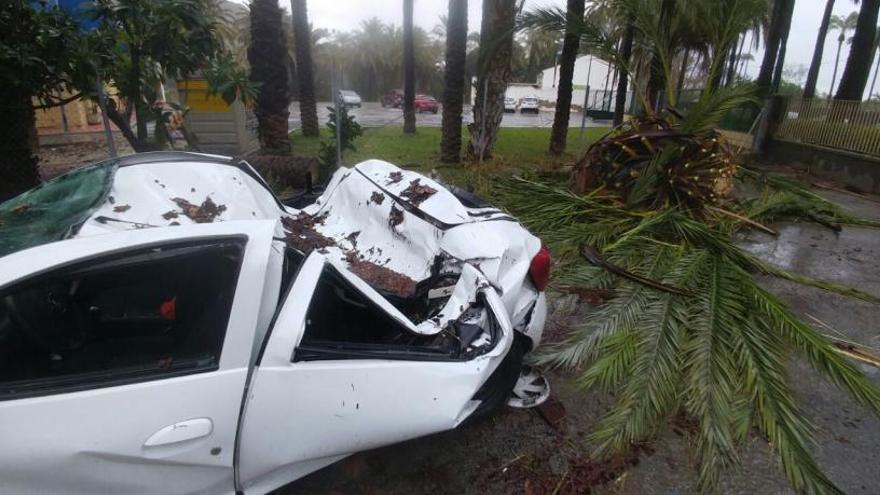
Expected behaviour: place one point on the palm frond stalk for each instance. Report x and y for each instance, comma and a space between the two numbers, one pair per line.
716, 348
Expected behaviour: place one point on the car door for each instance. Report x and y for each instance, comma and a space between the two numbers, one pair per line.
314, 399
123, 358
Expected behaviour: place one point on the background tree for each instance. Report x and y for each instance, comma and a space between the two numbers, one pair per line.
842, 24
268, 60
453, 93
409, 62
308, 110
818, 50
559, 134
858, 64
496, 48
626, 45
41, 50
153, 40
779, 20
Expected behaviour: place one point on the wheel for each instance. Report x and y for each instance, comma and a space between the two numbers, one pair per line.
435, 111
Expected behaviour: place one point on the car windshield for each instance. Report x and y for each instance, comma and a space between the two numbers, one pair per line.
55, 209
348, 93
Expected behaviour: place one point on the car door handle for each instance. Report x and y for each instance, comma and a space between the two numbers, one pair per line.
190, 429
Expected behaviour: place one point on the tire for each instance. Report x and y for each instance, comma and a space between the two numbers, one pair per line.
435, 111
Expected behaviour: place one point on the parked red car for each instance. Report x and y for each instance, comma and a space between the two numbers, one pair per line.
425, 103
393, 99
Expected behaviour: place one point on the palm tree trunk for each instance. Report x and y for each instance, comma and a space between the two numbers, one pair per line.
453, 93
626, 46
816, 63
308, 110
682, 74
840, 41
771, 48
496, 49
783, 45
575, 11
858, 64
267, 55
874, 79
18, 143
731, 65
409, 67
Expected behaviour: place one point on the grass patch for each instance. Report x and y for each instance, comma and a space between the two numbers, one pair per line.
518, 150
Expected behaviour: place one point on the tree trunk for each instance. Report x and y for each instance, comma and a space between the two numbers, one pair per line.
783, 45
731, 65
302, 35
771, 48
874, 79
840, 41
267, 55
453, 93
682, 75
623, 83
816, 63
496, 49
18, 143
858, 64
409, 67
559, 134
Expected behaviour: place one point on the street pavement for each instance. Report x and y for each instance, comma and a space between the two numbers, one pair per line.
373, 115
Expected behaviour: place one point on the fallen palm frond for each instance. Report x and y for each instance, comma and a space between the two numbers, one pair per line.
715, 347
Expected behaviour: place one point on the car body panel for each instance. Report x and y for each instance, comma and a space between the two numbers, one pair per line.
95, 440
359, 400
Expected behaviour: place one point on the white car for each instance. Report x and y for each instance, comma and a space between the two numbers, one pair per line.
529, 104
349, 98
509, 104
167, 325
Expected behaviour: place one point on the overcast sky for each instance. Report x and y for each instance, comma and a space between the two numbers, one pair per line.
347, 14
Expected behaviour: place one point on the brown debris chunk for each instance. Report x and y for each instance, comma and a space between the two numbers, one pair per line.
301, 233
377, 197
394, 178
204, 213
416, 193
352, 238
168, 215
379, 277
395, 217
121, 208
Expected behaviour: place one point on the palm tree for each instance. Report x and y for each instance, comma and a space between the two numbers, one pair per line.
626, 45
843, 24
813, 74
858, 64
687, 327
303, 45
575, 10
409, 63
496, 48
268, 59
453, 92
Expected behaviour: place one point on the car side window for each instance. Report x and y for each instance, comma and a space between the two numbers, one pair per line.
343, 323
142, 315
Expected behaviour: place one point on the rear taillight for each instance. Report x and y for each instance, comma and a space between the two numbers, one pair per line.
539, 269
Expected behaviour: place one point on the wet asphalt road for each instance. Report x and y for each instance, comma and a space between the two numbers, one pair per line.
372, 114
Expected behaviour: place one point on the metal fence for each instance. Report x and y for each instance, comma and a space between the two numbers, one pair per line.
845, 125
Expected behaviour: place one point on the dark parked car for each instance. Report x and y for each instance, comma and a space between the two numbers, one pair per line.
393, 99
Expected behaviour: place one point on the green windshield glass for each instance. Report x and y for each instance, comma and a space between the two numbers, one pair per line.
55, 209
